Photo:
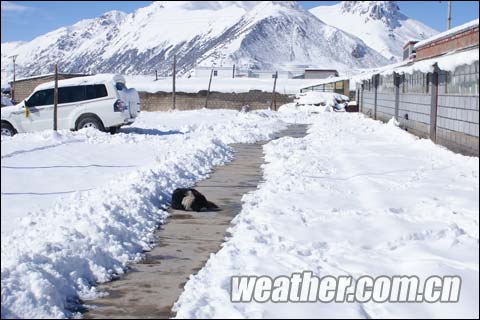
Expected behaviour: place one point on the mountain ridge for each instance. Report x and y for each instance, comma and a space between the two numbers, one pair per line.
254, 35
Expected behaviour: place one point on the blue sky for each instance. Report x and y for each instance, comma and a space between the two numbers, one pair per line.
25, 20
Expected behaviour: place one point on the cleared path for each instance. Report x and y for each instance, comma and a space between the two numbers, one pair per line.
185, 241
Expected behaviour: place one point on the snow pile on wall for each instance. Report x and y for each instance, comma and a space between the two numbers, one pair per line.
331, 205
448, 62
314, 102
6, 101
324, 98
56, 255
228, 85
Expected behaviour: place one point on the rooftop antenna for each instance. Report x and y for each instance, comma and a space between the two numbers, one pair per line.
449, 14
449, 19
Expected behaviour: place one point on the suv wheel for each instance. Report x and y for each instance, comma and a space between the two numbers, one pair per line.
7, 129
90, 122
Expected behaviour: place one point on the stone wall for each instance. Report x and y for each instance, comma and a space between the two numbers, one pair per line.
25, 87
162, 101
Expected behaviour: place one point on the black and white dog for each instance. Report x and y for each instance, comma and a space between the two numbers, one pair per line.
191, 200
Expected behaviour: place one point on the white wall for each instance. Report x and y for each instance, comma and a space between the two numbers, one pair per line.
205, 72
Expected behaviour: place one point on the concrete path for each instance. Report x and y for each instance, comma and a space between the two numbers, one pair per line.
185, 242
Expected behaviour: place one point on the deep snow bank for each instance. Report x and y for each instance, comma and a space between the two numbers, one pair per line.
354, 197
55, 255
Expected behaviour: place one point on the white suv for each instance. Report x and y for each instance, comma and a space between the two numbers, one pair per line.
100, 101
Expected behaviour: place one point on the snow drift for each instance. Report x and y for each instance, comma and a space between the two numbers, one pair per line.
54, 255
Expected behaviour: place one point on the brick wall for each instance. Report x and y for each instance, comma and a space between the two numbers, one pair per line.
162, 101
466, 39
24, 88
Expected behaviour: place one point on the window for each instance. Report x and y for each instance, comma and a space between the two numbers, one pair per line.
71, 94
215, 73
41, 98
81, 93
97, 91
463, 81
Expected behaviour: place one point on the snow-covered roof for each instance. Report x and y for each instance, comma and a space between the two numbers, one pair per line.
410, 42
448, 33
46, 75
446, 62
96, 79
319, 69
327, 80
213, 67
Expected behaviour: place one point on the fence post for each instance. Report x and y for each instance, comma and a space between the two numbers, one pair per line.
208, 91
173, 79
396, 83
12, 94
274, 87
55, 99
433, 83
375, 86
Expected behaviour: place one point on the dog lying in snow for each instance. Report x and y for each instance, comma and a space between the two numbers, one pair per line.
191, 200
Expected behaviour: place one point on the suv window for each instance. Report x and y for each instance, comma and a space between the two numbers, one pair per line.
81, 93
96, 91
71, 94
41, 98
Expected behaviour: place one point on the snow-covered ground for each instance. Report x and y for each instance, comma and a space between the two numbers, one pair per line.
354, 197
76, 208
193, 85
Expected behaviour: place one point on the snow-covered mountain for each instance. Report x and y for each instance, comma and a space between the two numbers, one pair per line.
253, 34
380, 24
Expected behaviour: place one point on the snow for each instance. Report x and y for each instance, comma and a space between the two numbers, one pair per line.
354, 197
98, 78
448, 33
222, 33
194, 85
6, 101
327, 100
379, 24
78, 206
447, 62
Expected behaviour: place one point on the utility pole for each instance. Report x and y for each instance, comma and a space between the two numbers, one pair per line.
55, 99
449, 19
273, 93
208, 91
173, 76
13, 83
